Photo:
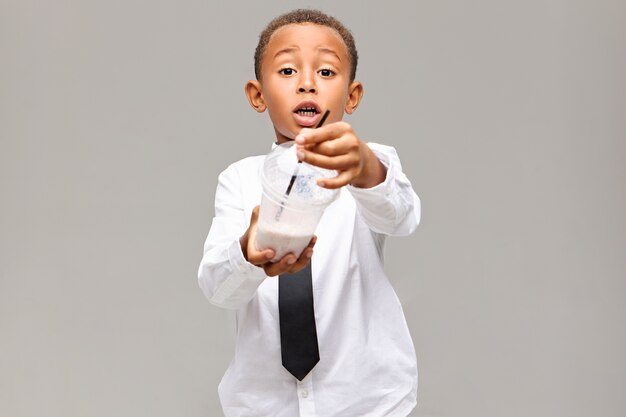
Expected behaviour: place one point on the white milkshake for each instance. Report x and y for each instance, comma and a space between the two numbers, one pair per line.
287, 220
282, 241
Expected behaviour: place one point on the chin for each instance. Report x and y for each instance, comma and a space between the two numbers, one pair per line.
284, 138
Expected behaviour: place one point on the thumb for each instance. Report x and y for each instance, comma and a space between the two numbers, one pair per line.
254, 218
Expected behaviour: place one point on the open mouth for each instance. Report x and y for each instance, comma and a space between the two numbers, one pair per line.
307, 108
307, 113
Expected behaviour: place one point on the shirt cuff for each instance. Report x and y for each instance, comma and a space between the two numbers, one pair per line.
384, 189
242, 284
238, 262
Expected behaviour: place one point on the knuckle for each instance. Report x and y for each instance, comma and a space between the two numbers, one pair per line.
330, 147
353, 143
345, 126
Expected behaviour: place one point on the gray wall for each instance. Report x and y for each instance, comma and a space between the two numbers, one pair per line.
116, 117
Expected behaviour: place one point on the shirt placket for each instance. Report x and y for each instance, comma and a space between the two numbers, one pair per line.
306, 399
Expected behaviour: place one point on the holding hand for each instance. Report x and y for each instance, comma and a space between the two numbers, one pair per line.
336, 146
288, 263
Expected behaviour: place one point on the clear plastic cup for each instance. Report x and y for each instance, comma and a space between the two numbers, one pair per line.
287, 220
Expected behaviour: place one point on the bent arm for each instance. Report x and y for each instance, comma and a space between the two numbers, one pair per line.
224, 275
391, 207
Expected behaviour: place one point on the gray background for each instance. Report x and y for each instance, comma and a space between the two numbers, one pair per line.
116, 117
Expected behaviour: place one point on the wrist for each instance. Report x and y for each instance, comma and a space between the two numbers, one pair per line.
374, 171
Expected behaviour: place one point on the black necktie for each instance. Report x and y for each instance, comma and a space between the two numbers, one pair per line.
298, 335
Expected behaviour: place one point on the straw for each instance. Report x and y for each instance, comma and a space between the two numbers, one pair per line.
295, 171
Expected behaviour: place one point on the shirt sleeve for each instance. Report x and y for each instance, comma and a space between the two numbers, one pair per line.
225, 277
391, 207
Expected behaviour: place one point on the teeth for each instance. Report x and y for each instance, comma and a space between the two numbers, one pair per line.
307, 111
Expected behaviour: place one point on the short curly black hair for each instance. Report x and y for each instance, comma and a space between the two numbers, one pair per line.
305, 16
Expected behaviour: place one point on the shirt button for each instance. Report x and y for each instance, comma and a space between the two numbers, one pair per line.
304, 393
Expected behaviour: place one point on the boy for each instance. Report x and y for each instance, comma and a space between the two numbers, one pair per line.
305, 64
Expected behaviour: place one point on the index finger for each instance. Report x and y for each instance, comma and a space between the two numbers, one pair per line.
322, 134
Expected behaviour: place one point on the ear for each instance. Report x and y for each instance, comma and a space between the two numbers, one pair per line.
355, 93
255, 95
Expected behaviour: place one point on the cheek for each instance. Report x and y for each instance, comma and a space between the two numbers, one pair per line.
339, 91
274, 96
341, 99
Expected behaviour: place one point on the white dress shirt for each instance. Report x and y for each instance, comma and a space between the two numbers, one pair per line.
367, 361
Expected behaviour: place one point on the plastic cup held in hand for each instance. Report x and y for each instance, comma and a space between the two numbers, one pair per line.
292, 203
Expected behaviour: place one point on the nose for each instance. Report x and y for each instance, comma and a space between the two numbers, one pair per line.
307, 84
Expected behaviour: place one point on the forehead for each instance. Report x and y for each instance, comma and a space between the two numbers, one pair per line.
307, 35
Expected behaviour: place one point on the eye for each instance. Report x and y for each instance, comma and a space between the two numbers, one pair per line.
326, 72
287, 71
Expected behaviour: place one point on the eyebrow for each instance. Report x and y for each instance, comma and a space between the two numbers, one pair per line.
288, 50
329, 51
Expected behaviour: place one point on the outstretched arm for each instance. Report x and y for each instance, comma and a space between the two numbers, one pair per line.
373, 173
